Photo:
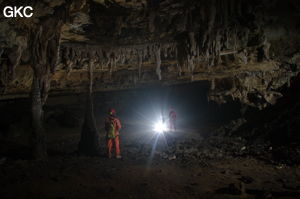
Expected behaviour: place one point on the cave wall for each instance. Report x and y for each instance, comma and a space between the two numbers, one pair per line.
247, 50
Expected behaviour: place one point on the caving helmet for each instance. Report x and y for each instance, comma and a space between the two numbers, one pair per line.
112, 112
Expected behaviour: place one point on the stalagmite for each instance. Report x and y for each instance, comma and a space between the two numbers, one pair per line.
39, 137
45, 42
40, 71
89, 141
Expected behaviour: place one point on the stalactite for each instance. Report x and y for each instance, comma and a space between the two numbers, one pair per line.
118, 25
4, 77
266, 48
15, 54
140, 62
212, 84
65, 55
193, 45
153, 6
14, 58
165, 52
152, 15
53, 52
158, 61
193, 52
210, 24
218, 47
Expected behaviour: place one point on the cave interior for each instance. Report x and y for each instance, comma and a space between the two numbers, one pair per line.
229, 69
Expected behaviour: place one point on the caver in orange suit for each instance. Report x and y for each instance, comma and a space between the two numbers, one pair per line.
112, 127
172, 120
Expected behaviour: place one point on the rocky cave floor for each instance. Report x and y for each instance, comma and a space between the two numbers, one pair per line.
188, 167
253, 157
94, 177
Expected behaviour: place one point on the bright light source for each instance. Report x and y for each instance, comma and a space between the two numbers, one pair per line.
160, 127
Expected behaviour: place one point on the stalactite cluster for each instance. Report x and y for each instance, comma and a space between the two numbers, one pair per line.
136, 42
200, 33
218, 29
12, 47
114, 58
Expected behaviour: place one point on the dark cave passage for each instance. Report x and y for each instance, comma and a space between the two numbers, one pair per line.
137, 109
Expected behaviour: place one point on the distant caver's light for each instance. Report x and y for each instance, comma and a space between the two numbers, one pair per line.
160, 127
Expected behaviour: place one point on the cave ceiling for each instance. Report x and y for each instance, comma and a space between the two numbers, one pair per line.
247, 50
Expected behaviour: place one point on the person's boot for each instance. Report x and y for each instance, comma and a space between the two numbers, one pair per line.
119, 157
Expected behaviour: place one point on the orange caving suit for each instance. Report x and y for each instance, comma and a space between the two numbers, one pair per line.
172, 120
117, 125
